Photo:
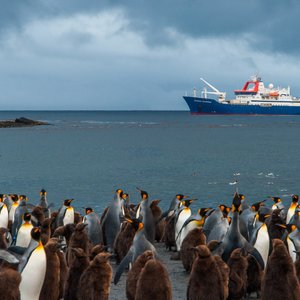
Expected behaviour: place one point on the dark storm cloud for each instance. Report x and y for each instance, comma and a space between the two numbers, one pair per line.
270, 25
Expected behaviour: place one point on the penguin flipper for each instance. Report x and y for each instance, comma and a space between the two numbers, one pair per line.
17, 249
123, 265
255, 254
10, 258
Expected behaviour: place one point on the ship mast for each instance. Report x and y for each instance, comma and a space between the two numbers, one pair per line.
221, 95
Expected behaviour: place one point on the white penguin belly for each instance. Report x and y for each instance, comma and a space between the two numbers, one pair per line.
4, 217
292, 249
69, 216
33, 275
184, 215
11, 215
189, 227
262, 243
24, 236
290, 214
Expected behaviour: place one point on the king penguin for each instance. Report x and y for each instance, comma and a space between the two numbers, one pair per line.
234, 239
111, 221
23, 236
291, 210
15, 203
94, 230
183, 214
65, 214
261, 241
3, 213
147, 217
33, 267
139, 245
44, 203
19, 213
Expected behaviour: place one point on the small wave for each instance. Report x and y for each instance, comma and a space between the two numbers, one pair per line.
236, 174
117, 123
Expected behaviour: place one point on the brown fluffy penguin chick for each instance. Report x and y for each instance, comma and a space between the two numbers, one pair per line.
254, 276
79, 239
153, 282
205, 281
297, 266
134, 273
64, 271
46, 230
79, 264
225, 271
96, 279
238, 265
3, 242
50, 289
169, 233
37, 214
280, 280
77, 217
194, 238
65, 231
96, 250
124, 240
159, 225
10, 280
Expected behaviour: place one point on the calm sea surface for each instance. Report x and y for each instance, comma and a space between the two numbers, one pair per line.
88, 155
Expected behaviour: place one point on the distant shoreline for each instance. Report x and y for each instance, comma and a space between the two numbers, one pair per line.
20, 122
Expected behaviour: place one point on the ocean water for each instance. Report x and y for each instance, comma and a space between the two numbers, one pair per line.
88, 155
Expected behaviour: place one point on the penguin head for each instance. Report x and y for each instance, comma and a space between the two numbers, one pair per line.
1, 197
68, 202
27, 217
125, 196
101, 258
23, 197
147, 255
295, 198
256, 206
202, 211
80, 227
187, 202
144, 194
236, 203
43, 192
224, 209
14, 197
276, 199
202, 251
136, 223
242, 197
180, 197
36, 233
119, 192
88, 210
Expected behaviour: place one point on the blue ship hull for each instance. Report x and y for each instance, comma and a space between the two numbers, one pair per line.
210, 106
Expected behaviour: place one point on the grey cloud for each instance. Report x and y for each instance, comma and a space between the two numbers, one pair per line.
274, 24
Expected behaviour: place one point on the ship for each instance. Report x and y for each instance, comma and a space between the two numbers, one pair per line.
253, 99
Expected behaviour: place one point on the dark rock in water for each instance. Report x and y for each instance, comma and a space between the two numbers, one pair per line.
21, 122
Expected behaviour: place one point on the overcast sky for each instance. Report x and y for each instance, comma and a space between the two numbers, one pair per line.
139, 54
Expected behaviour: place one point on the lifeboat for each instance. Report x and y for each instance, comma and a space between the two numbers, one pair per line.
274, 94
